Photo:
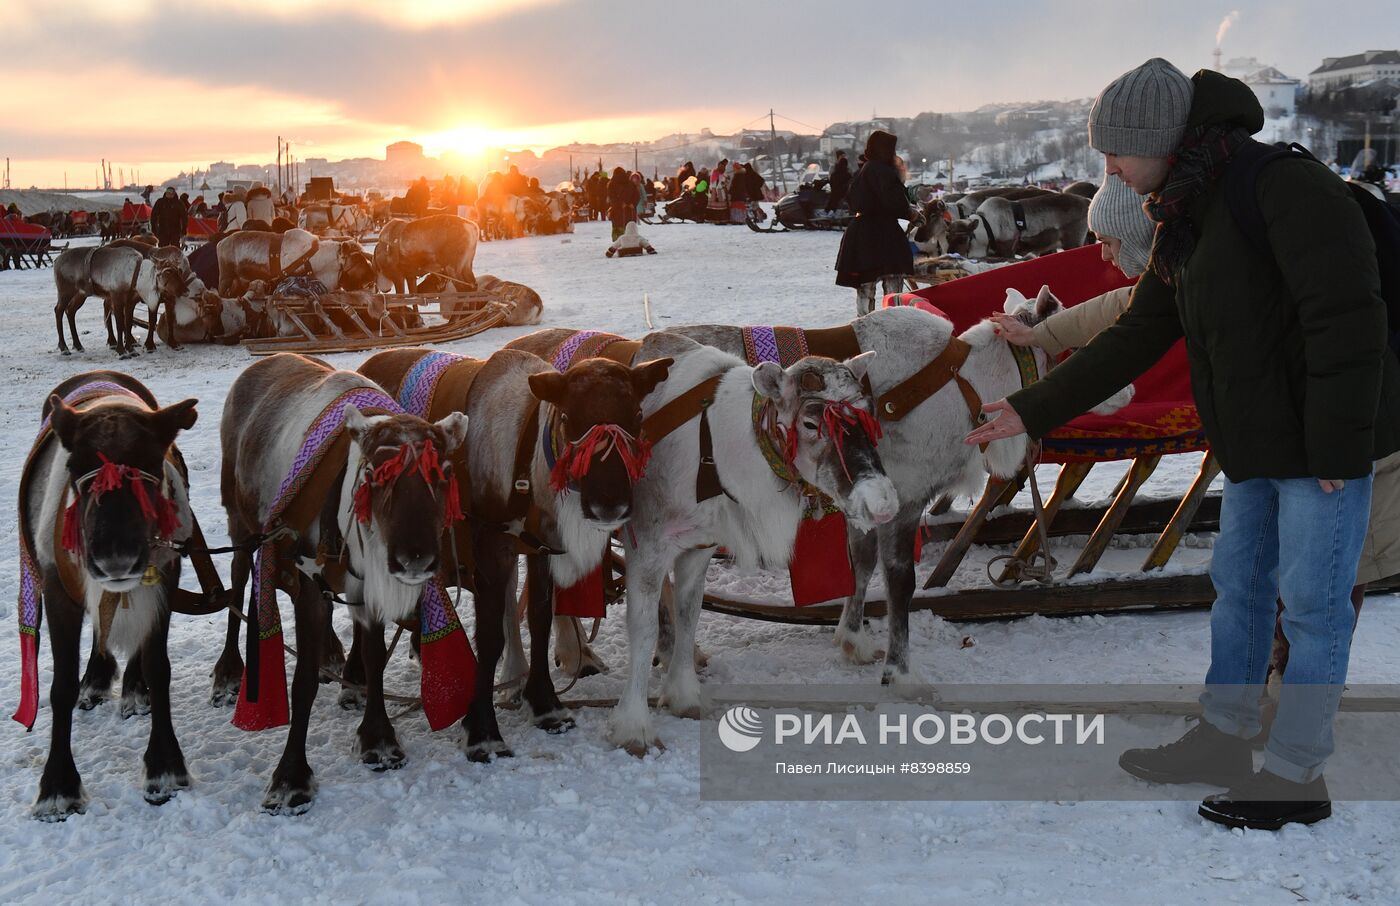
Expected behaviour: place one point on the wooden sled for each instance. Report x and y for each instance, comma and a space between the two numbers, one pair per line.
330, 325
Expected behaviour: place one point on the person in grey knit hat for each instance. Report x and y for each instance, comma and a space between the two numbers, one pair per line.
1117, 218
1139, 120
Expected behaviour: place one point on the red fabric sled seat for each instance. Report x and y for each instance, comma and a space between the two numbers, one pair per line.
1162, 417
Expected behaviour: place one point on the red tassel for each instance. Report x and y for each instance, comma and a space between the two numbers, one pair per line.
168, 523
363, 499
577, 456
453, 511
72, 540
820, 568
582, 599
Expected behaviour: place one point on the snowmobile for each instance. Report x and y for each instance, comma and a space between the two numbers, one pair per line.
690, 206
805, 209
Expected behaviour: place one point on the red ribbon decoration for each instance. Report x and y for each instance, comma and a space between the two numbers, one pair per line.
577, 456
839, 417
110, 477
427, 463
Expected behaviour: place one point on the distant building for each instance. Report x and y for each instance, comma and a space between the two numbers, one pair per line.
1339, 72
404, 153
1277, 93
830, 144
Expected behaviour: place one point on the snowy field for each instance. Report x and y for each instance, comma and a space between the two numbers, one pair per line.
569, 818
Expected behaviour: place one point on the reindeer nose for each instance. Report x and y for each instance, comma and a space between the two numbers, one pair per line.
607, 512
416, 566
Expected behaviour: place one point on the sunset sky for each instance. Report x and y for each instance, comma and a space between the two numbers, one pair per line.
165, 85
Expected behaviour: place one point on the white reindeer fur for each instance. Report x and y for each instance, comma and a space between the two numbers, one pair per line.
145, 604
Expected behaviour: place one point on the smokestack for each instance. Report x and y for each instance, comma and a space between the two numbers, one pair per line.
1217, 60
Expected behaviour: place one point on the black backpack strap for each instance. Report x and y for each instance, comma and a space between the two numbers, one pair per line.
1241, 186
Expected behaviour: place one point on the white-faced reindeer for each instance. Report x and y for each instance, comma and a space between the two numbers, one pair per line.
101, 495
122, 277
922, 450
711, 483
373, 508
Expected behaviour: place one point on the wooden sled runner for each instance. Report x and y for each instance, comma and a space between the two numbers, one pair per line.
333, 323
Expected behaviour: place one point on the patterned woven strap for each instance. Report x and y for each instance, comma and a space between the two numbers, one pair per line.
784, 345
416, 394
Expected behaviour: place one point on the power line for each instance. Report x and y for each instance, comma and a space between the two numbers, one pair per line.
798, 122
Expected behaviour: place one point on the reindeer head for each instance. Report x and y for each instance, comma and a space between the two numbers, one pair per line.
929, 231
405, 492
600, 452
171, 283
118, 500
968, 238
356, 269
824, 421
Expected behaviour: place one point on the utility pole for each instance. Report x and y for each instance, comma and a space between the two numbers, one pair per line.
279, 166
773, 150
635, 167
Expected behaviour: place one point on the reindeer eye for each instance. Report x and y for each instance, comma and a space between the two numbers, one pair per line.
809, 425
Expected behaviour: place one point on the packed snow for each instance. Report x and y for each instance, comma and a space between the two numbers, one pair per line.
570, 816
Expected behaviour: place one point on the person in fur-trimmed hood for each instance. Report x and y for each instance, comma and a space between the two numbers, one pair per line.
630, 243
1298, 393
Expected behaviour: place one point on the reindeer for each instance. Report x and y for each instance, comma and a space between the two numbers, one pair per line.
248, 255
372, 498
551, 469
98, 510
765, 435
964, 206
122, 277
1004, 228
922, 449
443, 243
341, 264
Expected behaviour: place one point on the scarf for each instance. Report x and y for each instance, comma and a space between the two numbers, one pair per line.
1200, 160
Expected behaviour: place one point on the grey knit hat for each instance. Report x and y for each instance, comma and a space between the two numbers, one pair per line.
1143, 112
1117, 211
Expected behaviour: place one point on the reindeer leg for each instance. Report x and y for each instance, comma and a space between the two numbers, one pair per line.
332, 651
165, 763
572, 653
550, 714
897, 557
152, 313
97, 679
228, 670
74, 304
136, 693
353, 699
60, 788
516, 667
494, 557
378, 745
853, 633
109, 319
631, 720
680, 690
293, 785
58, 322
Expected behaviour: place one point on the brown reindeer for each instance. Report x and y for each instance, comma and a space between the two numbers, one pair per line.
370, 504
122, 277
443, 244
551, 472
102, 493
248, 255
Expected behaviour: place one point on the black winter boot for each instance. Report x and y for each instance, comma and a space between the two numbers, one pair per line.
1266, 801
1203, 755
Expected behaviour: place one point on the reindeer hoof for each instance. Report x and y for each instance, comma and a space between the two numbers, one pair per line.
489, 751
556, 723
384, 756
351, 700
289, 798
58, 807
89, 698
64, 352
134, 703
224, 695
639, 749
160, 790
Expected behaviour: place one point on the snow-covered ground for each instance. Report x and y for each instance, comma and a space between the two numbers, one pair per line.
569, 818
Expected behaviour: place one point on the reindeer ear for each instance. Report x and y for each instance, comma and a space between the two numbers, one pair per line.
355, 423
647, 375
1046, 304
860, 364
1014, 300
548, 386
771, 381
64, 421
455, 427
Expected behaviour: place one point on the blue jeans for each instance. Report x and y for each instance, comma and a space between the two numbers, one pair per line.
1284, 538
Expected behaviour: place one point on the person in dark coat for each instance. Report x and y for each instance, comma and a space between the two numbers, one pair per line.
418, 196
1298, 394
686, 171
840, 181
623, 196
874, 247
168, 218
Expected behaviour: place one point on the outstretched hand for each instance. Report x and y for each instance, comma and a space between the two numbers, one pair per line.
1014, 329
1008, 424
